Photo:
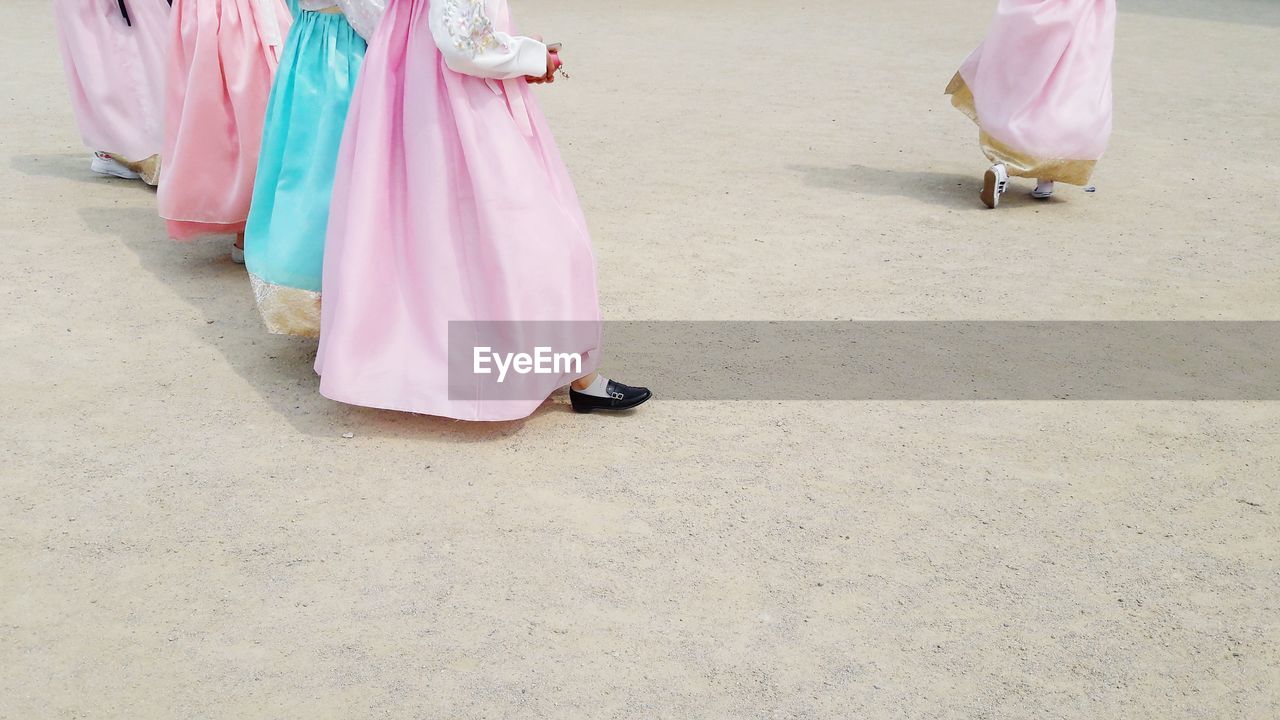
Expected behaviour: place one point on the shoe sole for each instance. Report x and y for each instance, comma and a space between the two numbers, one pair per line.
990, 187
103, 169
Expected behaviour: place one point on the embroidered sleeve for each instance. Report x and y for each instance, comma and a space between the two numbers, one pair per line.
470, 29
472, 45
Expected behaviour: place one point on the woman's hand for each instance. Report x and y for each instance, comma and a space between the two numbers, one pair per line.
553, 64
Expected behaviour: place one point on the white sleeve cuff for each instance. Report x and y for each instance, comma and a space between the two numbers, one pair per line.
531, 57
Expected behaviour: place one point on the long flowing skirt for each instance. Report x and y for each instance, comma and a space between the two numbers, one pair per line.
451, 205
285, 234
115, 73
222, 57
1039, 87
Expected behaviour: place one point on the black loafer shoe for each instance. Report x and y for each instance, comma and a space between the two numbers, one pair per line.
621, 397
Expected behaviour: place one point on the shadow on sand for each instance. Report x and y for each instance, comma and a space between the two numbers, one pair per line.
947, 189
1263, 13
65, 167
278, 368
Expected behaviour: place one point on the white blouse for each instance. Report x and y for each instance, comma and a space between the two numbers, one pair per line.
364, 15
471, 45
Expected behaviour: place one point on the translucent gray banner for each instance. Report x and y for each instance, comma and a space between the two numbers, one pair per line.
921, 361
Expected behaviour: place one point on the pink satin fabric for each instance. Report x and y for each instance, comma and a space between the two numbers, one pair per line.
444, 209
222, 58
115, 73
1041, 80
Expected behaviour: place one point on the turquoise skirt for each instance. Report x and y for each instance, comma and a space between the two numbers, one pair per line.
284, 236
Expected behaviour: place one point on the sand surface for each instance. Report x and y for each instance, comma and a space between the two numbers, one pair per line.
186, 533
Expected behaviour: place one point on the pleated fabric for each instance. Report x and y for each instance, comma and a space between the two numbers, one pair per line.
115, 73
223, 55
285, 233
451, 204
1039, 87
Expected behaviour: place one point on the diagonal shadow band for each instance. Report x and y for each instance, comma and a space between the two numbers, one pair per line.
921, 360
949, 189
774, 361
1241, 12
277, 368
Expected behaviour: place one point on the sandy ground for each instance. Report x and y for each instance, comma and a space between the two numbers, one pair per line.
185, 533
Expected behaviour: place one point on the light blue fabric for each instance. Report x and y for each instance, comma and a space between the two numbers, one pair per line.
284, 236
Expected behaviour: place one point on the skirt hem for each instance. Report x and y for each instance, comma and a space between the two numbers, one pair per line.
1019, 164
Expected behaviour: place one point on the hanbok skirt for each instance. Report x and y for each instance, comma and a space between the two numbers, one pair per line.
115, 73
450, 205
1039, 87
285, 234
222, 57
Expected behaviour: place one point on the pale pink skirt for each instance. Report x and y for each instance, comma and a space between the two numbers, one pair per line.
115, 73
1039, 87
451, 204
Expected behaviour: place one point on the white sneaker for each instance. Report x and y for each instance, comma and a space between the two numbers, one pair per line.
994, 184
237, 255
1043, 191
104, 164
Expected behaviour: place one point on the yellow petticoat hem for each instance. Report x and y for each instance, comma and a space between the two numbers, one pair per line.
148, 169
1020, 164
286, 310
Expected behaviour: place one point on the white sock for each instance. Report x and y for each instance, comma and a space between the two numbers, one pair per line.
1044, 187
598, 387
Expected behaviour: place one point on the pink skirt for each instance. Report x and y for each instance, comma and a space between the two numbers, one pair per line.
115, 73
222, 58
1039, 87
450, 205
